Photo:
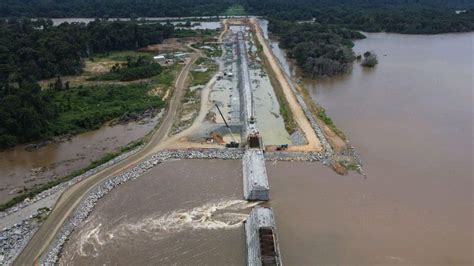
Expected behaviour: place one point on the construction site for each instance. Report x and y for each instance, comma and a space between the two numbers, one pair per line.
249, 110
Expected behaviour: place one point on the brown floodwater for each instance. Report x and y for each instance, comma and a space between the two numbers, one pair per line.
181, 212
19, 167
411, 120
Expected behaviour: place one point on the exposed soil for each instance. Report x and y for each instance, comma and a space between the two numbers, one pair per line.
313, 141
168, 45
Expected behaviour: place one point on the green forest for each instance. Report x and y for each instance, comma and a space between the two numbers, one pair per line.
320, 50
35, 50
403, 16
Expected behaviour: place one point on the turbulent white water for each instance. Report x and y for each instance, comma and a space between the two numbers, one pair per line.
223, 214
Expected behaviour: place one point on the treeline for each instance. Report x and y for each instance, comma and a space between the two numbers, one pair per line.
111, 8
25, 112
320, 50
28, 113
37, 50
401, 16
33, 50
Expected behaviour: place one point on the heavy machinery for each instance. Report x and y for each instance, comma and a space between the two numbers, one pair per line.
282, 147
233, 143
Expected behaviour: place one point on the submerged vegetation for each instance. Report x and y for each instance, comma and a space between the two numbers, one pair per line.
370, 59
320, 50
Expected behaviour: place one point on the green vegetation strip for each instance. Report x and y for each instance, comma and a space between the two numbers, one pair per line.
320, 113
285, 110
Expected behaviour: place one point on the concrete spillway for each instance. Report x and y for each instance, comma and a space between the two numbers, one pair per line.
253, 162
255, 175
247, 108
260, 229
262, 243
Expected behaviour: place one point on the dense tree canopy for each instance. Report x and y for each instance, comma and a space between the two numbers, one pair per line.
320, 50
111, 8
37, 50
30, 51
403, 16
33, 50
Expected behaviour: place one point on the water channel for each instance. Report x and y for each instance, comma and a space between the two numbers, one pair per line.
411, 119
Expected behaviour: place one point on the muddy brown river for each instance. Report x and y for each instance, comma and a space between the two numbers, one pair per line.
21, 168
411, 120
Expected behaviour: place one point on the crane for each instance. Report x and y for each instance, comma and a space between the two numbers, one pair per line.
233, 143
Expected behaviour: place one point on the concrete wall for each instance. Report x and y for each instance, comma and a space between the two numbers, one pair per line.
259, 217
255, 175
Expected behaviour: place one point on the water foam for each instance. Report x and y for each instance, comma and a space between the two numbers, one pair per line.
210, 216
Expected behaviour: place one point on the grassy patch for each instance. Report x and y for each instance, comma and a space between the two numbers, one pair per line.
122, 56
235, 10
86, 108
167, 77
200, 60
187, 33
130, 73
202, 78
30, 193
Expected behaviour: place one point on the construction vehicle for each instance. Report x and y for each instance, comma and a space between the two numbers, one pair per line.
233, 143
282, 147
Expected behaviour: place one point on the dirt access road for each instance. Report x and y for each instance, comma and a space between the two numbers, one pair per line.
313, 142
70, 199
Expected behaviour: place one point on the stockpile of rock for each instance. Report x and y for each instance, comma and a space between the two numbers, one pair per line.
223, 154
294, 156
298, 138
15, 238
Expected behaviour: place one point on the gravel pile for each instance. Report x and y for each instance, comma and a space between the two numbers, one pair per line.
69, 183
298, 138
294, 156
15, 238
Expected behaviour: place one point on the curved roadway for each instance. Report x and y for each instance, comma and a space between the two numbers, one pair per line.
70, 199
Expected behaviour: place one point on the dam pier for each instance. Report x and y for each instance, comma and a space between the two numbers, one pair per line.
260, 229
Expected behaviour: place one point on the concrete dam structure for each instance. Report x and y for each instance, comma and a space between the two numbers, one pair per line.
255, 175
260, 229
253, 162
262, 243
